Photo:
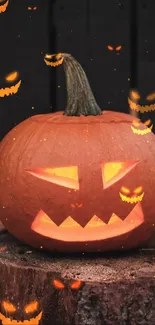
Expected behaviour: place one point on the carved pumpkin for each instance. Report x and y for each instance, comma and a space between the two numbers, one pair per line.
62, 175
3, 5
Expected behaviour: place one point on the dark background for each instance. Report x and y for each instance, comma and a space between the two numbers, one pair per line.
83, 28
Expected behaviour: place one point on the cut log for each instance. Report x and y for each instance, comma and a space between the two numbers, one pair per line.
115, 288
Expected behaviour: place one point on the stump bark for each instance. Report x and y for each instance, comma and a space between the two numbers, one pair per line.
116, 288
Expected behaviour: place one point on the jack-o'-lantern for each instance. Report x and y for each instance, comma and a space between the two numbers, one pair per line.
3, 5
147, 105
62, 174
10, 85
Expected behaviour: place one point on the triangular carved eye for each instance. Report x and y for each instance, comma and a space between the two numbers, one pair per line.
113, 171
63, 176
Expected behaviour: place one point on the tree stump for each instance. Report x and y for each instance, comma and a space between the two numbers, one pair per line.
115, 288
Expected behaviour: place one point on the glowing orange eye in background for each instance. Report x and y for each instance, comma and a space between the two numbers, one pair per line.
10, 308
76, 285
34, 8
134, 94
30, 308
110, 48
125, 190
118, 48
151, 96
12, 76
29, 8
58, 284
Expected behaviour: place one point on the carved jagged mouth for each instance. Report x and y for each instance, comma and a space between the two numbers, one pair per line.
71, 231
141, 108
4, 6
10, 90
142, 132
133, 199
53, 60
31, 321
53, 64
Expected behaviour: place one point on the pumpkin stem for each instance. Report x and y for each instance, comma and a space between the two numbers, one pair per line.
80, 99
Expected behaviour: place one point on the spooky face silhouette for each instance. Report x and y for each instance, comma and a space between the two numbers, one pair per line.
11, 84
139, 104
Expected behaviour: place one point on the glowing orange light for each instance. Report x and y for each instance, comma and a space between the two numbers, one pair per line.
136, 123
8, 307
58, 57
12, 76
125, 190
134, 198
141, 131
118, 48
151, 97
114, 171
135, 95
114, 218
76, 285
138, 190
48, 56
4, 6
95, 222
58, 284
110, 48
30, 308
148, 122
65, 176
3, 248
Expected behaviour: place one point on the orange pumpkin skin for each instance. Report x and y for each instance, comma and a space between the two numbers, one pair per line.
35, 202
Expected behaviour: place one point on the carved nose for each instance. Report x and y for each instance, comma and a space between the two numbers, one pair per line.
76, 205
